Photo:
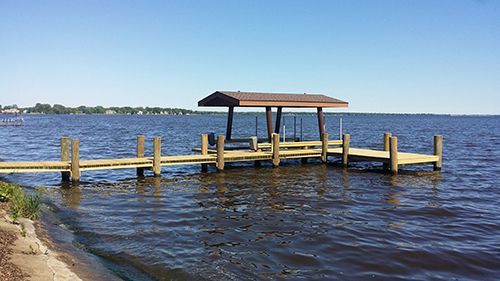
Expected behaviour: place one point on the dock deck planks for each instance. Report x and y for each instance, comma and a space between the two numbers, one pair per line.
404, 158
38, 166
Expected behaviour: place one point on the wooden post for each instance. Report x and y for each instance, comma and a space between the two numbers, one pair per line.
387, 136
324, 148
278, 120
438, 151
393, 154
157, 156
346, 141
229, 127
269, 120
75, 160
204, 150
276, 150
65, 157
321, 122
220, 153
140, 153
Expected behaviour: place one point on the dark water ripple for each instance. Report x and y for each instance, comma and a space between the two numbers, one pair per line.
298, 221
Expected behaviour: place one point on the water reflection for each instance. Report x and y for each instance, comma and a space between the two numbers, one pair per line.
71, 195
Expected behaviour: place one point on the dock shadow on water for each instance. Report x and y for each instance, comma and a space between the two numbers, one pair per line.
316, 222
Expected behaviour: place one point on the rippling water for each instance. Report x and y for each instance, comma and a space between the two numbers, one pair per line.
298, 221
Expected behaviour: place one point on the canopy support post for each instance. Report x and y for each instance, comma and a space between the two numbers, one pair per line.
229, 127
269, 119
321, 122
278, 120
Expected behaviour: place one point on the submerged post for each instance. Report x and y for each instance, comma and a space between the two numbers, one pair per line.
157, 156
393, 154
324, 148
438, 151
387, 136
220, 153
140, 153
75, 160
276, 150
346, 140
204, 150
65, 157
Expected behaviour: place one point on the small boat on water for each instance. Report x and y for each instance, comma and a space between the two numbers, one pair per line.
15, 121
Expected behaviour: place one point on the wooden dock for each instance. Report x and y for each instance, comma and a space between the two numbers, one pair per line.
71, 167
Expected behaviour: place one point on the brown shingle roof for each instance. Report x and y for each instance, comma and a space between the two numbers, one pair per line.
253, 99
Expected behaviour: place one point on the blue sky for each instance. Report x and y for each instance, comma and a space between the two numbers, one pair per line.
381, 56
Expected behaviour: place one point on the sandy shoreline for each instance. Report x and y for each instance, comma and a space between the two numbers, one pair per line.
29, 255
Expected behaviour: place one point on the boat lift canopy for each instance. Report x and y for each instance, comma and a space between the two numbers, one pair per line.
233, 99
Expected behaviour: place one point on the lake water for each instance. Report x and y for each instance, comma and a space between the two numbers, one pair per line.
299, 221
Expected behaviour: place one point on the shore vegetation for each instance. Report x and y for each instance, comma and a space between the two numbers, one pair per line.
20, 203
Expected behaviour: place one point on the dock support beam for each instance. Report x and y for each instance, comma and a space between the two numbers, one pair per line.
346, 141
324, 148
140, 153
220, 153
393, 154
269, 120
204, 150
387, 136
276, 150
65, 157
321, 122
75, 160
277, 127
229, 127
157, 156
438, 151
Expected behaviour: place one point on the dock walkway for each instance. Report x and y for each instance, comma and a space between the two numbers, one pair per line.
274, 151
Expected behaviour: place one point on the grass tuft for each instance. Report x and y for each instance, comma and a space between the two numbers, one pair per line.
21, 205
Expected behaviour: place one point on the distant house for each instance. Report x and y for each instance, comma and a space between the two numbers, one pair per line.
109, 111
139, 112
11, 111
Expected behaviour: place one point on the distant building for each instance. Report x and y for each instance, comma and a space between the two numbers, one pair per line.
139, 112
109, 111
11, 111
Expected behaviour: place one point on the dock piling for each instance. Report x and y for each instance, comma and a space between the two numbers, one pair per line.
387, 136
324, 148
346, 140
75, 160
140, 153
438, 151
65, 176
276, 150
204, 150
220, 153
393, 154
157, 156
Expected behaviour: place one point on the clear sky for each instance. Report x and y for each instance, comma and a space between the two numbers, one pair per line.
381, 56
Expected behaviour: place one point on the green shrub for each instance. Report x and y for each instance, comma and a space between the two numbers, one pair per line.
6, 191
21, 205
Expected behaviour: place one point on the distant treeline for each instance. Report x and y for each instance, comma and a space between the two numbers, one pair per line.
41, 108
